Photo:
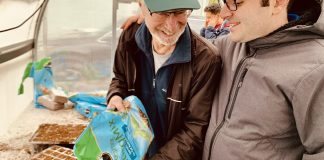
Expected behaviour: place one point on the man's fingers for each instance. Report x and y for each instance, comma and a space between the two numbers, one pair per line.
120, 107
116, 102
110, 107
129, 22
116, 105
140, 19
123, 25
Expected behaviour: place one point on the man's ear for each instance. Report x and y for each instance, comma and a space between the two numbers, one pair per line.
279, 6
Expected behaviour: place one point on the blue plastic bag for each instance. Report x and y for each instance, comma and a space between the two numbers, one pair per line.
42, 74
117, 135
88, 105
89, 110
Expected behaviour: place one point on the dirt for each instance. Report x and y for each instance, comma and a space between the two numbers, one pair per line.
57, 133
15, 144
55, 152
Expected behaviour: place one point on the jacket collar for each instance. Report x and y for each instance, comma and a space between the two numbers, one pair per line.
290, 35
181, 54
300, 27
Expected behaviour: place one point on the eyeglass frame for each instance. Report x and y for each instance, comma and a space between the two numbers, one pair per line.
171, 11
230, 7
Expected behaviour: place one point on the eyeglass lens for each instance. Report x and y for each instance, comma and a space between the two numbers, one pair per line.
231, 4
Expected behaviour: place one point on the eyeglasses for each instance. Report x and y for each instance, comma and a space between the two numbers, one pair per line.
231, 4
179, 13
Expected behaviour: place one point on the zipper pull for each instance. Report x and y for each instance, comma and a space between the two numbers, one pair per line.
153, 82
239, 85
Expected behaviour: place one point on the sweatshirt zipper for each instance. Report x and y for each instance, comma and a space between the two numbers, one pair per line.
229, 100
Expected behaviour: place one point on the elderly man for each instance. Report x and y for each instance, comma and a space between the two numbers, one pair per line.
173, 71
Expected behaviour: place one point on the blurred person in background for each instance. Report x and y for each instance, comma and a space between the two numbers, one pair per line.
214, 24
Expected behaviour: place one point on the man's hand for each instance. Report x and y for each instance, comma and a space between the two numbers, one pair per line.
136, 18
116, 102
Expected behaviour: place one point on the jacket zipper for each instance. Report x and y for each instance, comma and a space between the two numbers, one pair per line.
214, 136
239, 85
229, 100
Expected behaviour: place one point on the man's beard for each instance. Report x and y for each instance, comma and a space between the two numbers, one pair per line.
168, 42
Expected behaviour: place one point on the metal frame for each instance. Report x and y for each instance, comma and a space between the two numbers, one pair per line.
114, 25
10, 52
37, 27
114, 30
15, 50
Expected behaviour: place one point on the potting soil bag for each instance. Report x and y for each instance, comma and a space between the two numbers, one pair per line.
116, 135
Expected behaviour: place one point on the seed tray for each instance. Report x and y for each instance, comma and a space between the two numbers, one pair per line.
57, 133
55, 153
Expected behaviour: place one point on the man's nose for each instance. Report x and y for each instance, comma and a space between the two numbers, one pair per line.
171, 22
225, 12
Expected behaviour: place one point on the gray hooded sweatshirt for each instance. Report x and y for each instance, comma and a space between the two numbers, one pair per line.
270, 102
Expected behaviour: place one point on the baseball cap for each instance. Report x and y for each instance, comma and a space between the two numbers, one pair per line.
166, 5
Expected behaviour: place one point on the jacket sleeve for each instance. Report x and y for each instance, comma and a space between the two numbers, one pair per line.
202, 32
308, 106
223, 31
187, 144
118, 85
211, 33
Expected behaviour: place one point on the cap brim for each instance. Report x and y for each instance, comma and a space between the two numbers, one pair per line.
166, 5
